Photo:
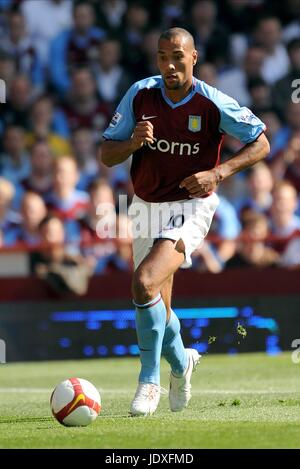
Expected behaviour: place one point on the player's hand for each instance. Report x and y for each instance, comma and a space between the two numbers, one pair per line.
201, 183
143, 133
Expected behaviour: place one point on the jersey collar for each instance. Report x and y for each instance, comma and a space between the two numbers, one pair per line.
183, 101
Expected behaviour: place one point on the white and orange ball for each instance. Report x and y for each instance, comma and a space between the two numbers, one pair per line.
75, 402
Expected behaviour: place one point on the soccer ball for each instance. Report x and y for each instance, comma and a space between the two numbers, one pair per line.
75, 402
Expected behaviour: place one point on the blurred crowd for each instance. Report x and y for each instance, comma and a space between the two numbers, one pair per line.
66, 64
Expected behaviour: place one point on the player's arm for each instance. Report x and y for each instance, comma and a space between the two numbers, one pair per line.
124, 135
206, 181
241, 123
247, 156
114, 152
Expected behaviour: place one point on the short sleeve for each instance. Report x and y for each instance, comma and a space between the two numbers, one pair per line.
123, 121
238, 121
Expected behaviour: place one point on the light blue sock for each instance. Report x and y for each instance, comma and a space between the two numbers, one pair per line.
150, 321
173, 349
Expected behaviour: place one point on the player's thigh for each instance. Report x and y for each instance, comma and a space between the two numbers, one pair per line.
164, 258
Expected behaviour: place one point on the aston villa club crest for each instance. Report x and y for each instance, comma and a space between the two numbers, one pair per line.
194, 123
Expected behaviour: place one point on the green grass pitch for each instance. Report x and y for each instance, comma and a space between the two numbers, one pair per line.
241, 401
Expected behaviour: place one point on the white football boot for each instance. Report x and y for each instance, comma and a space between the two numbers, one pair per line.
180, 388
146, 399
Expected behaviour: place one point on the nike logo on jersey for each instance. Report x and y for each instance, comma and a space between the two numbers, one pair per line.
145, 118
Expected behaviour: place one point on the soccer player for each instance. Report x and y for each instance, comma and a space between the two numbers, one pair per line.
173, 125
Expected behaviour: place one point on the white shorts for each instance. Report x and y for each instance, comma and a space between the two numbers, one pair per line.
188, 219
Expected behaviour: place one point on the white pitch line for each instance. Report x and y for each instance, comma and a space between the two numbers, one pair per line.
25, 390
130, 391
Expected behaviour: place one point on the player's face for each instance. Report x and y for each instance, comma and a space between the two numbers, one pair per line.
176, 59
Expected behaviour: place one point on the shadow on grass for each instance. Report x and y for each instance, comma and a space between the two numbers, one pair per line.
51, 419
25, 419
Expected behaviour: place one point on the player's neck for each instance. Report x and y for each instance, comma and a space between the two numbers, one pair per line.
178, 95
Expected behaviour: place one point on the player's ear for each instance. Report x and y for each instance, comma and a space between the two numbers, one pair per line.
195, 56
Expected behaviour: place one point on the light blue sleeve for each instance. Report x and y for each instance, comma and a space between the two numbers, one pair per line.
235, 120
123, 121
238, 121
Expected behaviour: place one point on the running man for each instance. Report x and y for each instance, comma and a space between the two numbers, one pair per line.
173, 125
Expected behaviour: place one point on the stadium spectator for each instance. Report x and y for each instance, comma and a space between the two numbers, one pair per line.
52, 115
286, 164
291, 9
234, 81
240, 18
112, 79
284, 87
99, 220
7, 68
268, 34
21, 47
207, 72
43, 125
33, 211
20, 95
288, 131
260, 94
135, 24
45, 20
41, 177
98, 233
285, 224
240, 15
251, 249
225, 227
121, 258
273, 123
52, 234
210, 37
109, 14
75, 47
148, 62
260, 184
64, 271
235, 189
8, 218
291, 256
205, 259
84, 151
172, 14
65, 201
14, 162
83, 107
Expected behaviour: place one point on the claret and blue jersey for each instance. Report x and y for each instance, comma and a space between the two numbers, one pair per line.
188, 134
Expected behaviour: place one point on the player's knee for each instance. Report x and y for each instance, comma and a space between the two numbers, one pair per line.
143, 286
